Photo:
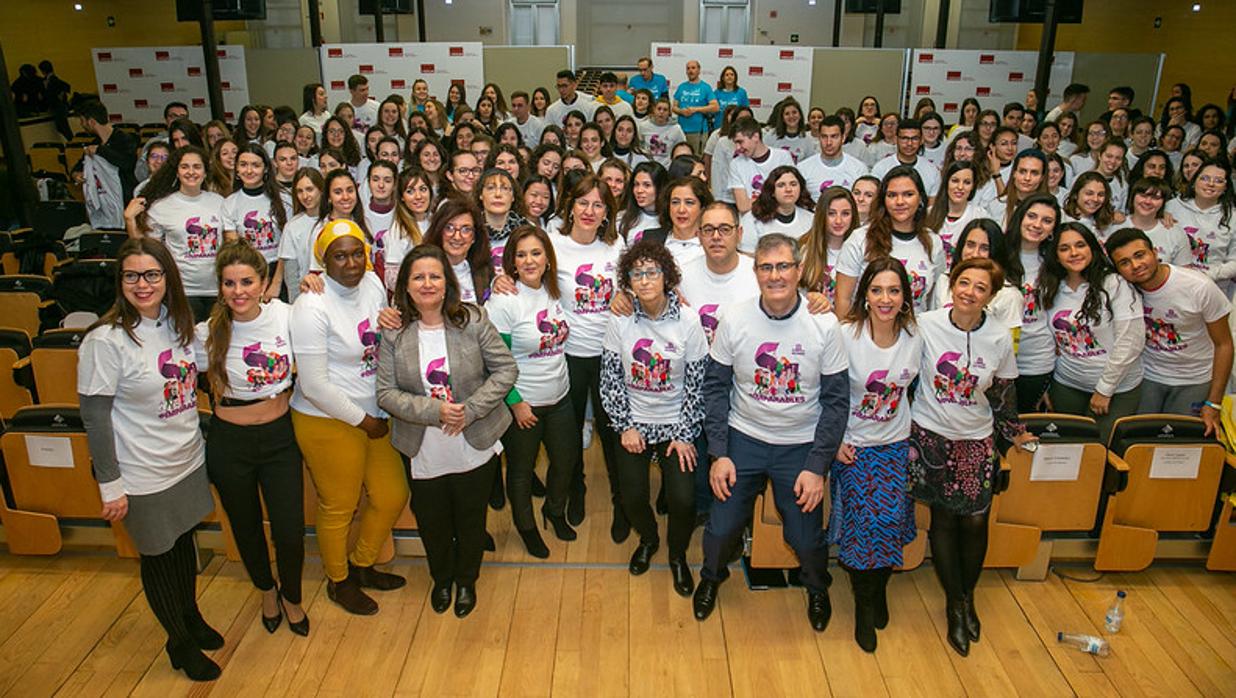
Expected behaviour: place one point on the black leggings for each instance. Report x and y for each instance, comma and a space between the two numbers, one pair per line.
555, 428
679, 487
958, 547
242, 460
584, 373
169, 581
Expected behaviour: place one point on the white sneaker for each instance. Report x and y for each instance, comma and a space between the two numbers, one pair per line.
587, 434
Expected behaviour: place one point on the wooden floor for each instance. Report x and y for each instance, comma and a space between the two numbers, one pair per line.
580, 625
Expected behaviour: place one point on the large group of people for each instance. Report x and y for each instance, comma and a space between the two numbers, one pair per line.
404, 295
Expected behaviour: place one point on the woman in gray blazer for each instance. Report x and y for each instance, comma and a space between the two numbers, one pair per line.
443, 378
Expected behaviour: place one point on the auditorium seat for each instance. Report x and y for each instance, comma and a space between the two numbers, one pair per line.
54, 360
14, 360
1031, 501
9, 263
47, 156
1167, 481
52, 218
100, 244
74, 153
1222, 557
22, 303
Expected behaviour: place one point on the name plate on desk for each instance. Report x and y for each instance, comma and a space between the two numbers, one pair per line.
1056, 462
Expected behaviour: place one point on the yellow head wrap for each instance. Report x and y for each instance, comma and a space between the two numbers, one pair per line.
334, 230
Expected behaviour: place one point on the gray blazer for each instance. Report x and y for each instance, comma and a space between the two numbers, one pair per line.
482, 373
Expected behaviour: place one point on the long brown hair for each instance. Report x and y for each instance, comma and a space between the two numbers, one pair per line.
166, 181
815, 242
860, 313
122, 313
608, 232
454, 310
270, 186
880, 229
480, 258
315, 177
550, 277
408, 226
219, 337
218, 179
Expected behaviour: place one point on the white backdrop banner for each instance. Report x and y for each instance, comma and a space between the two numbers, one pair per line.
994, 78
136, 83
392, 68
769, 74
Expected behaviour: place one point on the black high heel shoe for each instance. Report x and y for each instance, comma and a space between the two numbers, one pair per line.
534, 544
538, 487
562, 529
271, 623
300, 627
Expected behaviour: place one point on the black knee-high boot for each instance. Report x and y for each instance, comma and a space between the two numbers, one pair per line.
946, 559
204, 636
861, 582
164, 586
972, 535
879, 595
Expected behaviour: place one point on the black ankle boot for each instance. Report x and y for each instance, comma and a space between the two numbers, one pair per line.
534, 543
192, 662
562, 529
972, 620
864, 610
373, 578
575, 510
957, 636
204, 636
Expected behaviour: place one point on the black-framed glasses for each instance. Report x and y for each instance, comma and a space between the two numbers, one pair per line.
150, 276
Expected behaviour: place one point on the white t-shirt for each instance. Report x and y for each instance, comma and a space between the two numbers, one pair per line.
951, 229
646, 221
659, 141
538, 329
777, 367
379, 225
366, 115
922, 268
315, 122
1171, 244
749, 175
440, 454
753, 229
154, 413
587, 279
709, 294
1178, 347
684, 251
955, 374
821, 175
192, 229
295, 248
397, 246
1212, 244
1006, 307
252, 219
925, 169
530, 129
1082, 347
876, 152
556, 113
342, 324
800, 147
1036, 350
719, 174
655, 354
935, 155
467, 287
259, 355
879, 379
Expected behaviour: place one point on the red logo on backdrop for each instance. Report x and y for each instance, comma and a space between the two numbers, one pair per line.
194, 71
135, 72
725, 53
922, 90
225, 85
456, 51
162, 55
115, 118
953, 75
664, 51
228, 116
334, 53
337, 85
364, 68
756, 101
950, 106
199, 102
167, 87
1016, 77
987, 58
221, 53
787, 55
398, 84
460, 82
926, 57
756, 70
426, 68
141, 104
394, 52
982, 91
109, 88
784, 86
104, 56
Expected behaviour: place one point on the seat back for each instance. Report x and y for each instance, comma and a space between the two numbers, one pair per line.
13, 395
1042, 491
52, 218
100, 244
47, 156
21, 311
48, 462
1174, 472
54, 360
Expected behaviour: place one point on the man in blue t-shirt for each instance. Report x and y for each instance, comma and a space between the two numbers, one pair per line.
645, 79
694, 102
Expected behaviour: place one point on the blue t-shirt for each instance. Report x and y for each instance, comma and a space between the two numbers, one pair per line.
694, 94
725, 98
658, 85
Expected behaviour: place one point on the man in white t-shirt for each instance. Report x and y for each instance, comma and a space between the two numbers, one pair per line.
753, 162
1074, 100
909, 142
529, 125
833, 167
776, 397
364, 107
568, 100
1188, 356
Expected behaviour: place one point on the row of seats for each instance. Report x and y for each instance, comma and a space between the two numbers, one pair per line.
1158, 475
62, 158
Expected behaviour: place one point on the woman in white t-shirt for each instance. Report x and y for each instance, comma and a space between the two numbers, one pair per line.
314, 107
652, 388
966, 395
788, 131
660, 135
255, 212
340, 429
836, 216
1027, 176
175, 208
783, 206
681, 203
296, 245
951, 213
872, 515
1090, 202
592, 144
1028, 239
458, 228
983, 238
443, 378
534, 327
1096, 319
1111, 165
411, 220
898, 228
379, 210
1204, 211
639, 201
625, 142
137, 383
1147, 205
245, 349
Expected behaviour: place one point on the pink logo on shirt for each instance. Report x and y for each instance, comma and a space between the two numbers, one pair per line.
439, 380
708, 320
180, 389
554, 333
1074, 337
259, 231
592, 293
880, 402
265, 368
776, 378
369, 340
953, 383
202, 238
650, 370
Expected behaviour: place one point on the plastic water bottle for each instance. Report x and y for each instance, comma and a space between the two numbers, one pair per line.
1086, 643
1115, 614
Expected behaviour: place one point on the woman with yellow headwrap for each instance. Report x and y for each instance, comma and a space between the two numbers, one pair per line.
339, 427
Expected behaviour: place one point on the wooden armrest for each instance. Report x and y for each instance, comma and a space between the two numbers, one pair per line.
21, 363
46, 304
1116, 475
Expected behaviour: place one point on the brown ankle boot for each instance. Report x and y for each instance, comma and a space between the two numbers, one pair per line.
348, 595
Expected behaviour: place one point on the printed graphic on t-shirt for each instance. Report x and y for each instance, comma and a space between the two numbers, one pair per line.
1161, 335
776, 377
554, 333
953, 383
757, 185
1198, 248
202, 238
826, 184
650, 370
1030, 309
496, 250
379, 249
657, 146
180, 389
369, 339
593, 292
1074, 337
918, 277
438, 380
708, 321
259, 231
883, 396
265, 367
947, 240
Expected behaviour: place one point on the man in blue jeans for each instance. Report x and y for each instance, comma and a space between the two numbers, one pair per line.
776, 399
695, 103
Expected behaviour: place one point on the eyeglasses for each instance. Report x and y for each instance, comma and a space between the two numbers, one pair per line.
724, 229
458, 230
1207, 179
150, 276
640, 274
780, 267
474, 171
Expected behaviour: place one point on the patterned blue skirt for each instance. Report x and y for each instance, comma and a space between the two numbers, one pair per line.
872, 515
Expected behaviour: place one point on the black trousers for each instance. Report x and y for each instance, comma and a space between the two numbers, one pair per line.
169, 581
1031, 389
201, 306
584, 373
450, 514
679, 489
555, 428
243, 461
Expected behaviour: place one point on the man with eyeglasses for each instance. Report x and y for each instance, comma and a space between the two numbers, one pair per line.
568, 100
776, 400
909, 142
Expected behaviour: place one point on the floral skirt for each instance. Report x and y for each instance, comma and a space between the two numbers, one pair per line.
949, 473
872, 515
